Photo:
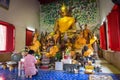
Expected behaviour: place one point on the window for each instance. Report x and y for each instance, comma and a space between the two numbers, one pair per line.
7, 37
2, 38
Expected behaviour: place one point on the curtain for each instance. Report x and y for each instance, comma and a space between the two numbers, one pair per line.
103, 40
29, 37
10, 38
114, 29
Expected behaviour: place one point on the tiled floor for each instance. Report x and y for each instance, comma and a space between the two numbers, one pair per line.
107, 69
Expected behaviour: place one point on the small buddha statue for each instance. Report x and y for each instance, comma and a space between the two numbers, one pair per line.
69, 43
80, 41
87, 34
93, 39
35, 43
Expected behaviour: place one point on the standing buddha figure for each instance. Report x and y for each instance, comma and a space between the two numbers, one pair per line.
86, 34
35, 43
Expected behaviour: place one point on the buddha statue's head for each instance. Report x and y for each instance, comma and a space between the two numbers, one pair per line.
64, 10
86, 26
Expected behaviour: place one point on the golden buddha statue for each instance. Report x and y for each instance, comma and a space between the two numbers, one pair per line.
53, 50
68, 44
93, 39
66, 23
80, 42
35, 43
89, 52
86, 34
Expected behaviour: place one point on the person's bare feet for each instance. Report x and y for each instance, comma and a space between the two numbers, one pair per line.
30, 76
26, 76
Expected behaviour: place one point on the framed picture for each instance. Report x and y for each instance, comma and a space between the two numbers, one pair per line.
5, 3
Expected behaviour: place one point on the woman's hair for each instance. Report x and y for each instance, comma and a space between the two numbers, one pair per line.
31, 52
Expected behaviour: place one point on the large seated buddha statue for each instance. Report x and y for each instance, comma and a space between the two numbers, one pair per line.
66, 23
